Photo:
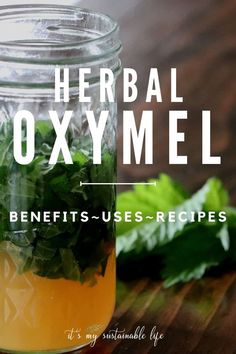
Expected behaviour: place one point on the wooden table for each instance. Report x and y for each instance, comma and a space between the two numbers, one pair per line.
197, 318
199, 39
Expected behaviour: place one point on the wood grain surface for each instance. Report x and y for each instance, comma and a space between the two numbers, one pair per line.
199, 39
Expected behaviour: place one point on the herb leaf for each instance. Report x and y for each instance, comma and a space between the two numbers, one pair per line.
56, 249
147, 237
191, 255
166, 195
184, 250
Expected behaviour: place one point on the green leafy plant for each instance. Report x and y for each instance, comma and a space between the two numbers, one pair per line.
185, 250
72, 250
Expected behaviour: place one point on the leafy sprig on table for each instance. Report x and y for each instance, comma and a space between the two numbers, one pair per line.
185, 250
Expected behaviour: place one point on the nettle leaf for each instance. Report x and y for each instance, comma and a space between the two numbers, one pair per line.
188, 249
80, 176
53, 250
231, 217
217, 198
44, 128
60, 184
51, 269
21, 256
3, 175
146, 238
103, 196
6, 151
80, 158
18, 194
20, 238
33, 170
167, 194
224, 237
70, 264
49, 231
44, 250
188, 257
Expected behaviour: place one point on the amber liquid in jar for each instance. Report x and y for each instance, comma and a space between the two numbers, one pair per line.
40, 314
57, 277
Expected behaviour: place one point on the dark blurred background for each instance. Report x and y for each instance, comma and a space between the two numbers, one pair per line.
199, 39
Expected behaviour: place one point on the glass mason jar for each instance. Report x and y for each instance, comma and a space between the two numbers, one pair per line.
57, 271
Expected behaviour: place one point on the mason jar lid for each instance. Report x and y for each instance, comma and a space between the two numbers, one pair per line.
36, 38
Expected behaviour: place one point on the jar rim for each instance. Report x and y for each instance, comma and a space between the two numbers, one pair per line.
7, 48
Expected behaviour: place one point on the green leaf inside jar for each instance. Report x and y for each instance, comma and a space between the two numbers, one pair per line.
71, 250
